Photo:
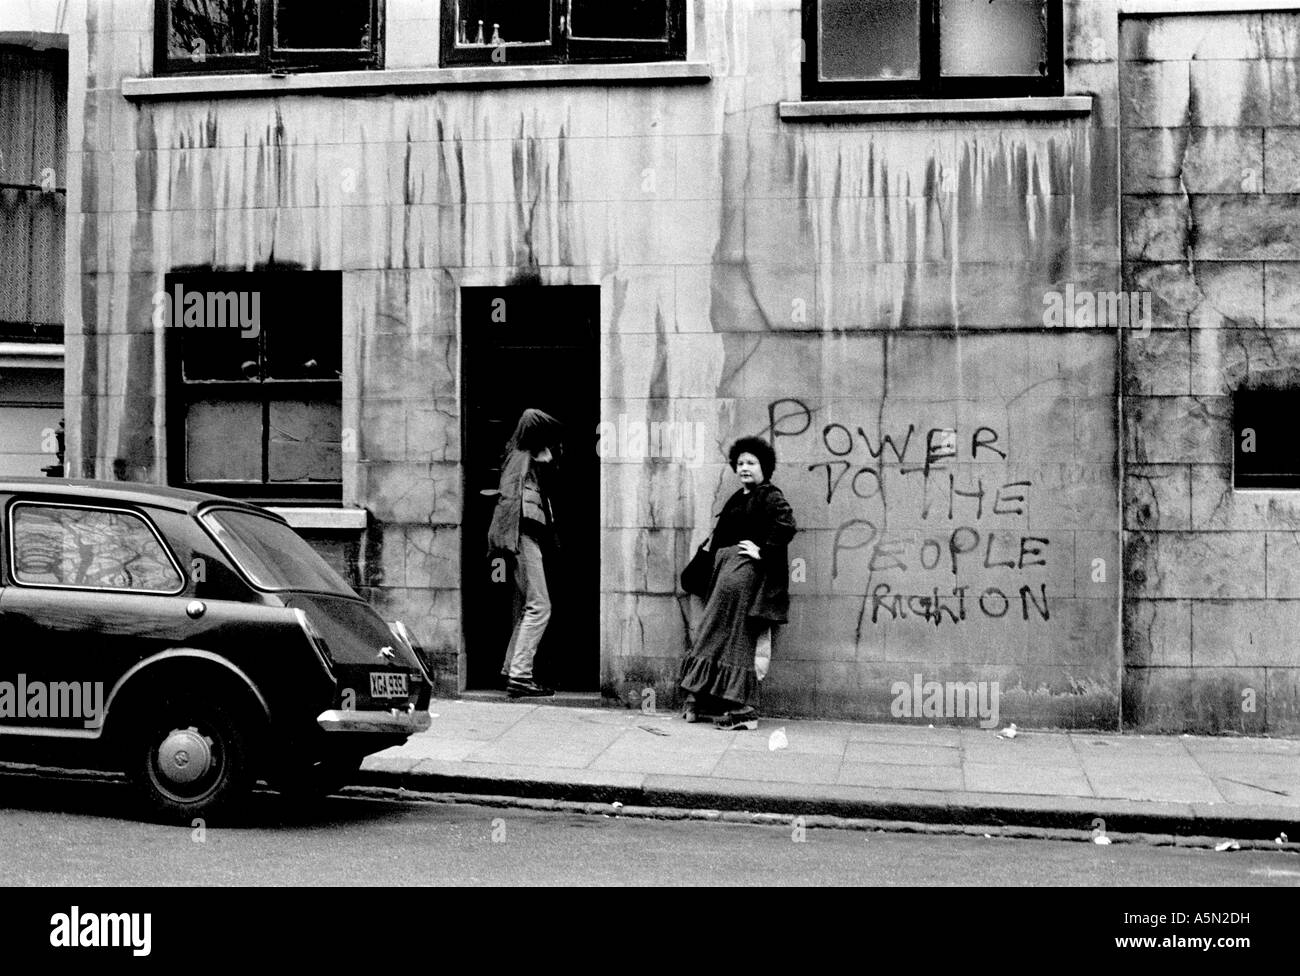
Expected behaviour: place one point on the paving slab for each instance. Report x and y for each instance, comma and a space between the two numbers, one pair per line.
792, 740
778, 767
868, 751
1241, 746
906, 734
938, 778
1037, 780
1120, 784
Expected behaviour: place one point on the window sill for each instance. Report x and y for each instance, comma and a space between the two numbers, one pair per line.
936, 108
30, 355
329, 519
1166, 8
408, 79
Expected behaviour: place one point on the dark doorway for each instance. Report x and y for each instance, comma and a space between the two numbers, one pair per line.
533, 346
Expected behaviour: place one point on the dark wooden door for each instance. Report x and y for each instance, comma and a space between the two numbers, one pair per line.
533, 346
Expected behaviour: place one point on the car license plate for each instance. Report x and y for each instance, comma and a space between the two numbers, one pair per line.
387, 684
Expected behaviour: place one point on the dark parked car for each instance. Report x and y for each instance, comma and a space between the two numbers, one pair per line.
193, 642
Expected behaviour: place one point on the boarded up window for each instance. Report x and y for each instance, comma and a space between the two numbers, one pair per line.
255, 372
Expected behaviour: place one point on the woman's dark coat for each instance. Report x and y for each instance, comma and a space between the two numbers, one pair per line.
763, 516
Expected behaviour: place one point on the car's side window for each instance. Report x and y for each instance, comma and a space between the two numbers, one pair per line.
56, 545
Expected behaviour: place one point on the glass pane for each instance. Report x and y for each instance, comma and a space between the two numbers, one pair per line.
993, 37
869, 40
218, 321
87, 547
304, 442
503, 22
629, 20
205, 28
223, 441
304, 25
272, 555
303, 313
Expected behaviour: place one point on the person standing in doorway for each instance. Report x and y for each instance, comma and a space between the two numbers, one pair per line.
523, 526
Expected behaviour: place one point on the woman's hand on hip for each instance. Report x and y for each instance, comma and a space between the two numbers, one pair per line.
749, 549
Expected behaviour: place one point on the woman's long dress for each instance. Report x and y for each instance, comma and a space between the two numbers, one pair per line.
721, 663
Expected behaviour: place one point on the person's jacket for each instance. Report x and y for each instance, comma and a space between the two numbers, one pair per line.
763, 516
516, 485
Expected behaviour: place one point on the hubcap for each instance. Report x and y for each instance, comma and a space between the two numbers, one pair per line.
184, 756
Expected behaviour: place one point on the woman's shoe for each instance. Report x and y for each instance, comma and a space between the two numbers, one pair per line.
691, 716
731, 722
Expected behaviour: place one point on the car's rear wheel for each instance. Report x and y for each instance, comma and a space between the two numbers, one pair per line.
191, 760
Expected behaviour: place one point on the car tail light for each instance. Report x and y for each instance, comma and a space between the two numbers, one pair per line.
402, 634
317, 642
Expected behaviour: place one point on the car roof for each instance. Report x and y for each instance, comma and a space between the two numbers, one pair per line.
158, 496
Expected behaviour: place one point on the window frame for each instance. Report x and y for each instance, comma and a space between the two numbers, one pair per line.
563, 47
181, 393
36, 503
268, 59
931, 83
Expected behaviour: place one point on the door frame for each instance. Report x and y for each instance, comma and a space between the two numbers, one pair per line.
460, 279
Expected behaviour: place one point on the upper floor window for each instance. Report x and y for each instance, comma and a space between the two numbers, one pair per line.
558, 31
931, 48
265, 35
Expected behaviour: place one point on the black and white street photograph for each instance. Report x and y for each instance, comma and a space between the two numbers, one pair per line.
737, 444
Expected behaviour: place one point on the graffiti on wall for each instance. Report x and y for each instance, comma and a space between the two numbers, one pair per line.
960, 553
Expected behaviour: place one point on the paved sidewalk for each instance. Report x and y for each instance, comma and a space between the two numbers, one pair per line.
1188, 785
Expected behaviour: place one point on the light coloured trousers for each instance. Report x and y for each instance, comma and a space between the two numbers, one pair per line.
532, 610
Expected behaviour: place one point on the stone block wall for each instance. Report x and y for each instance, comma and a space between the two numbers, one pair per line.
1211, 229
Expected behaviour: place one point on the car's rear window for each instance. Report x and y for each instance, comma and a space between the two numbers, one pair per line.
272, 555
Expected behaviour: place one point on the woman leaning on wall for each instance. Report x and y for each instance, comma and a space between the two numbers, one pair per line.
742, 573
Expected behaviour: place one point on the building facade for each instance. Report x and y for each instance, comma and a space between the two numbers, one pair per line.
996, 279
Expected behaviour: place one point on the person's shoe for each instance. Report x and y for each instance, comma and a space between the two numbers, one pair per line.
691, 716
731, 722
527, 689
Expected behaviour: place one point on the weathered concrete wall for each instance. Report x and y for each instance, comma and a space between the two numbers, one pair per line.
1211, 217
879, 276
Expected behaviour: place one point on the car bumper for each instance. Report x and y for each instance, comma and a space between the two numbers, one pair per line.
389, 723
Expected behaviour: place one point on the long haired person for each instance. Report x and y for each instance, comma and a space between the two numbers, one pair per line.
523, 525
